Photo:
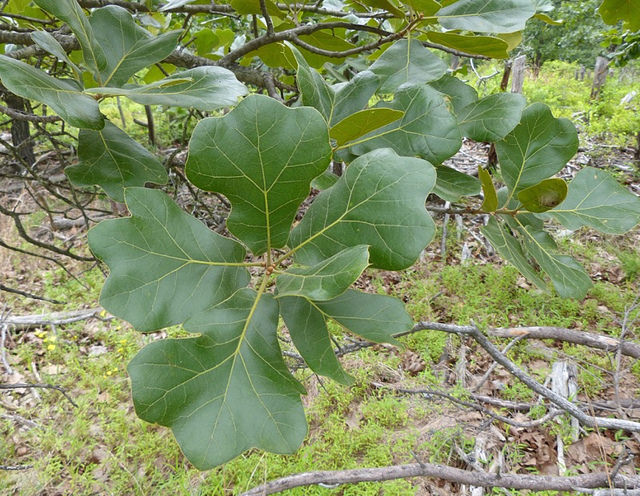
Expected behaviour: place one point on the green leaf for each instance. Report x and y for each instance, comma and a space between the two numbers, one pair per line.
613, 11
47, 42
543, 196
487, 16
536, 149
427, 129
547, 19
490, 202
61, 95
327, 279
361, 123
71, 13
451, 184
407, 61
314, 90
457, 94
225, 391
113, 160
262, 156
127, 47
511, 250
374, 317
334, 103
489, 46
596, 200
353, 95
204, 88
491, 118
324, 180
165, 265
308, 330
426, 7
253, 7
568, 276
379, 201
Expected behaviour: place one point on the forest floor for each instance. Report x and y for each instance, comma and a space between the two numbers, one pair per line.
99, 446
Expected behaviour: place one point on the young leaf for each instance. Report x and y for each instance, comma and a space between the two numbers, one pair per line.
63, 96
379, 201
491, 118
262, 155
511, 250
451, 184
490, 202
489, 46
165, 265
128, 48
111, 159
361, 123
225, 391
374, 317
536, 149
596, 200
71, 13
543, 196
327, 279
427, 129
407, 61
203, 88
487, 16
308, 330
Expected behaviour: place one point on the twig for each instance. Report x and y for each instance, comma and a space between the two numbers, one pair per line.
501, 418
15, 467
41, 386
28, 295
493, 366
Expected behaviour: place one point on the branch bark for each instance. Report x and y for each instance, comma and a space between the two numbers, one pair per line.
444, 472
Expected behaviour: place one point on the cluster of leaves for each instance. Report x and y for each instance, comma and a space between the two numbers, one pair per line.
393, 124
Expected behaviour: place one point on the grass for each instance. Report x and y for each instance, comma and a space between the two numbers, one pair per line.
568, 97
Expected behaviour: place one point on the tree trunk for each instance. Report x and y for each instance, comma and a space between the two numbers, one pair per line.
599, 76
20, 136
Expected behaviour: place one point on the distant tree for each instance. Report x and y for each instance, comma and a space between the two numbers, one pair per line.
578, 38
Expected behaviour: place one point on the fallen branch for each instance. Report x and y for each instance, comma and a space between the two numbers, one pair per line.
41, 386
55, 318
444, 472
591, 340
28, 295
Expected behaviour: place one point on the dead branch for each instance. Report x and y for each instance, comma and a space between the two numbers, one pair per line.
40, 386
430, 393
444, 472
55, 318
592, 340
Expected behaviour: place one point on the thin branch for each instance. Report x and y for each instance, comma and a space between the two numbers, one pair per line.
29, 295
444, 472
23, 116
41, 386
427, 393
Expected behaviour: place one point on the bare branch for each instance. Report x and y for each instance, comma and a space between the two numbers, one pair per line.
41, 386
444, 472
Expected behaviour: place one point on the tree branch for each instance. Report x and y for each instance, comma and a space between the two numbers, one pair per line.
444, 472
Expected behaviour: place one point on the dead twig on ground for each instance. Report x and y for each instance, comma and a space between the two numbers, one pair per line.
40, 386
